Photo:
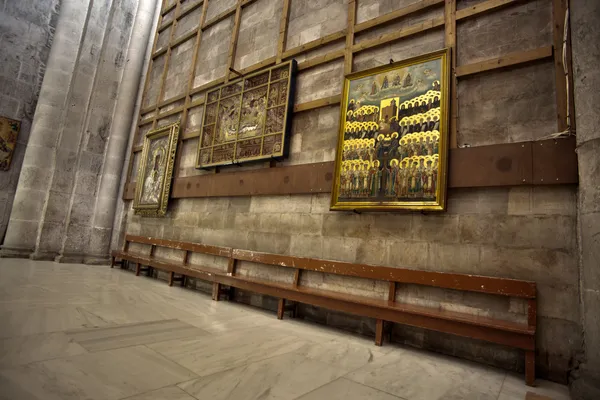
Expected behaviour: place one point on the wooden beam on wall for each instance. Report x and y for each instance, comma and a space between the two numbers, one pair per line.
234, 39
311, 105
190, 84
283, 29
315, 44
545, 162
394, 15
518, 57
484, 7
383, 39
564, 97
450, 41
350, 36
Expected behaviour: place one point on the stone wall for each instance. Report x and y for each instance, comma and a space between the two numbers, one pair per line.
79, 136
26, 34
513, 232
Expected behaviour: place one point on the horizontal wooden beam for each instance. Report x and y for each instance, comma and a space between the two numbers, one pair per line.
518, 57
325, 58
394, 15
225, 14
315, 43
274, 181
385, 38
327, 101
167, 9
484, 7
189, 9
547, 162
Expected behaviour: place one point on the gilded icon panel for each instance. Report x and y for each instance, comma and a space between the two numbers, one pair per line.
156, 171
9, 130
248, 119
392, 146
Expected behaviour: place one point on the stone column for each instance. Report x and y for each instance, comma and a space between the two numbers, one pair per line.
585, 31
124, 116
31, 197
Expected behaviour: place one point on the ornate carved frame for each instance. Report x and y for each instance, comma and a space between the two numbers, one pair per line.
159, 209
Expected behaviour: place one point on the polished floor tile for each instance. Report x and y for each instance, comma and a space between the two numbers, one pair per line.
72, 331
207, 355
44, 346
168, 393
344, 389
133, 334
111, 374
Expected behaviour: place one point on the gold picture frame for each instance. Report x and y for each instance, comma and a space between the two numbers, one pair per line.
9, 131
248, 119
156, 171
392, 149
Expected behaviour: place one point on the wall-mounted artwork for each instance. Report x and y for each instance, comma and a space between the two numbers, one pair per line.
9, 130
156, 171
392, 147
248, 119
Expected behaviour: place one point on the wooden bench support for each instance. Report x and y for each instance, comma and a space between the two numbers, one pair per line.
216, 291
386, 311
379, 333
530, 367
280, 308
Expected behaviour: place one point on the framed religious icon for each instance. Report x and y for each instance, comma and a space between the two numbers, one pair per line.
156, 170
393, 141
9, 130
248, 119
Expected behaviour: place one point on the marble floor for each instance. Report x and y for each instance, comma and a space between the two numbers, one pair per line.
71, 331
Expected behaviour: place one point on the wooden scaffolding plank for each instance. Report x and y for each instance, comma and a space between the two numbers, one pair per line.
283, 28
350, 37
450, 41
394, 15
518, 57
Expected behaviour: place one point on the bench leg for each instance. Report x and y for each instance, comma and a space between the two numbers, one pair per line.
171, 278
112, 262
137, 269
280, 308
530, 367
216, 291
183, 280
379, 333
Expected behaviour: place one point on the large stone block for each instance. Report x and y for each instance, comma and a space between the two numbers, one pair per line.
28, 205
373, 251
560, 200
347, 224
590, 256
340, 248
306, 246
589, 176
460, 258
269, 242
591, 328
538, 265
556, 300
436, 228
517, 120
392, 225
281, 204
298, 223
407, 254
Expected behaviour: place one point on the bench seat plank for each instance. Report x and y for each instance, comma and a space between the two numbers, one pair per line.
497, 331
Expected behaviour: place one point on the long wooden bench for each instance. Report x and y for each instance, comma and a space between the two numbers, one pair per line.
508, 333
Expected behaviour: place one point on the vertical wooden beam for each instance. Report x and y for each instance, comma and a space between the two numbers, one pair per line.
280, 308
283, 28
231, 266
167, 61
112, 261
234, 39
450, 41
349, 36
216, 291
564, 96
530, 367
190, 84
531, 313
392, 292
171, 276
186, 257
379, 333
296, 277
137, 269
